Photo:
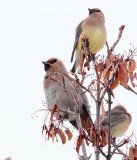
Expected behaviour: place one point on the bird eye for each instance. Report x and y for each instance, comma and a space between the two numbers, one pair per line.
96, 10
93, 10
53, 61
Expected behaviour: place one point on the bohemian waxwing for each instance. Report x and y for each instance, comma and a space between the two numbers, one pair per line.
120, 121
92, 29
64, 91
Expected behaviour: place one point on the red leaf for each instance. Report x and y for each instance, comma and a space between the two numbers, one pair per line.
53, 134
106, 72
123, 81
69, 134
131, 155
115, 69
115, 83
104, 136
62, 136
123, 69
79, 143
135, 151
132, 79
131, 65
54, 109
100, 67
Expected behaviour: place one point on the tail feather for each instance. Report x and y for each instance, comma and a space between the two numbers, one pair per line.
74, 68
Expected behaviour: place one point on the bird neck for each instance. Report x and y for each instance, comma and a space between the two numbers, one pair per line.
50, 73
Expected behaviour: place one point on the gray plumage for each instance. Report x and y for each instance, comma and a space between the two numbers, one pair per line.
120, 121
94, 29
64, 91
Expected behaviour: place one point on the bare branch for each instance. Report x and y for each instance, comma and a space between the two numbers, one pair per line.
109, 127
118, 39
101, 151
130, 89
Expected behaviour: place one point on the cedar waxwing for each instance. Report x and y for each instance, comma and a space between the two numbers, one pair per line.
90, 37
64, 91
120, 121
8, 158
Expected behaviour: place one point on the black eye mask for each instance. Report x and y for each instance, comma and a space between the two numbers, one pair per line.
93, 11
52, 61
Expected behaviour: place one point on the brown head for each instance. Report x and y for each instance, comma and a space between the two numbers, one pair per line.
97, 13
119, 107
54, 65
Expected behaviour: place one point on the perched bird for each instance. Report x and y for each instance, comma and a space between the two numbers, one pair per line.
120, 121
9, 158
64, 91
90, 37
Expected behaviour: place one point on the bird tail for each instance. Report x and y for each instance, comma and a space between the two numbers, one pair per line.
73, 70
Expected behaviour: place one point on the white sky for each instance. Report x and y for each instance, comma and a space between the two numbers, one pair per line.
35, 30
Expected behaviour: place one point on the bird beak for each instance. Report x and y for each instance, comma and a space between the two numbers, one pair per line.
43, 62
46, 65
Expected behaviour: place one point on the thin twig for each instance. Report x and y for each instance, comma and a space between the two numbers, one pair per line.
87, 90
130, 89
107, 47
117, 148
98, 104
109, 126
118, 39
101, 151
83, 142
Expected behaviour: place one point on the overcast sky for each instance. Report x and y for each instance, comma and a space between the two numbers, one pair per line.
35, 30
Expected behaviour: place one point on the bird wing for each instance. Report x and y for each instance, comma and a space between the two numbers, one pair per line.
64, 92
117, 116
78, 32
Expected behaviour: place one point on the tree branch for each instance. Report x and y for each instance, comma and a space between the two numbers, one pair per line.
118, 39
109, 126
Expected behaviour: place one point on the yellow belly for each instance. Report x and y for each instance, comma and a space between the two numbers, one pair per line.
119, 129
96, 37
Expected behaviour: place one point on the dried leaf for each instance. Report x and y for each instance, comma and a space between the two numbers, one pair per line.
115, 69
123, 82
91, 135
69, 134
135, 151
131, 76
94, 137
53, 134
108, 61
131, 154
123, 69
131, 65
115, 83
104, 134
100, 67
54, 109
103, 140
135, 76
79, 143
106, 72
49, 131
62, 136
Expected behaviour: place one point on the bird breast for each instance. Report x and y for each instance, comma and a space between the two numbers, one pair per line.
97, 38
119, 129
61, 91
